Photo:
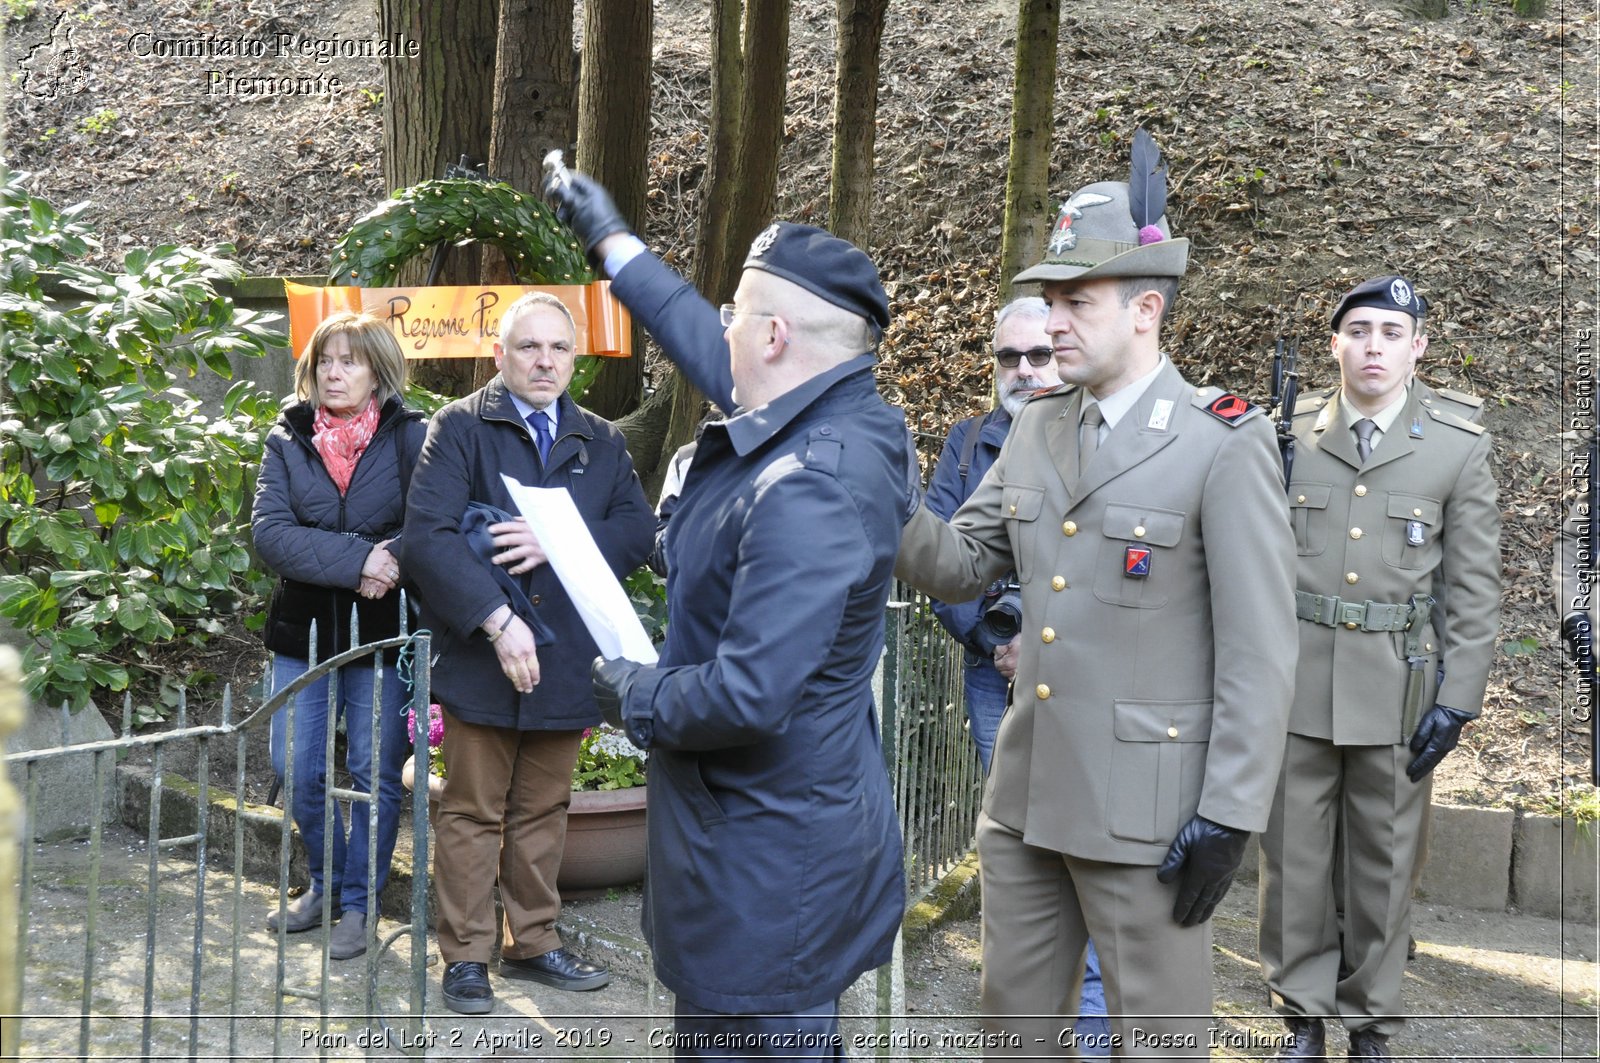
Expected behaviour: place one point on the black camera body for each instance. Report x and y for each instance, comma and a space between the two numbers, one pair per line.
1002, 610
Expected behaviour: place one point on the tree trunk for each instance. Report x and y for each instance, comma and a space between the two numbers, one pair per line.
613, 139
1529, 8
534, 111
739, 197
1027, 216
436, 108
855, 115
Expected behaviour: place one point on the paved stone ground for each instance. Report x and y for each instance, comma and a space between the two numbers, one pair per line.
1487, 986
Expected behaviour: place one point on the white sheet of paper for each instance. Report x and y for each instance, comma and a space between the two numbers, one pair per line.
578, 564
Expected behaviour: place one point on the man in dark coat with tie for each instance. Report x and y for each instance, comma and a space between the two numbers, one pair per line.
510, 670
775, 874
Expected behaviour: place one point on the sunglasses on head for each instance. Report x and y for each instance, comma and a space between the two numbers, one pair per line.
1038, 357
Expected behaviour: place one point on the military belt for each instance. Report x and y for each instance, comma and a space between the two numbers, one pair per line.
1334, 611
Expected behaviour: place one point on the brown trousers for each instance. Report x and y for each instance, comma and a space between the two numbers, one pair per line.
503, 814
1040, 907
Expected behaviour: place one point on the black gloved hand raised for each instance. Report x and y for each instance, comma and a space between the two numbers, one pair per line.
1207, 854
1435, 736
611, 680
584, 207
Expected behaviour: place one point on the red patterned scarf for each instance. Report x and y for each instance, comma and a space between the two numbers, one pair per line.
341, 440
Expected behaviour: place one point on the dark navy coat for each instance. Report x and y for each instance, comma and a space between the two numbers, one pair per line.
316, 539
946, 492
470, 443
775, 874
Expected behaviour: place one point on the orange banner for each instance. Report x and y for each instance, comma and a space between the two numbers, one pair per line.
460, 322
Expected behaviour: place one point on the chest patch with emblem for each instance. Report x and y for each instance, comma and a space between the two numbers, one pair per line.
1414, 533
1136, 561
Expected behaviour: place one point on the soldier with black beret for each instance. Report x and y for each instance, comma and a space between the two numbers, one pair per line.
1398, 600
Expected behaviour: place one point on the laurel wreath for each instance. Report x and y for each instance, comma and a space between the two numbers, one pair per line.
540, 249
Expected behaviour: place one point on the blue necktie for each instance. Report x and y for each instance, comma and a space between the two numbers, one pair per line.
539, 421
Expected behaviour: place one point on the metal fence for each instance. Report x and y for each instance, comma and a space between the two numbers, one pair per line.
223, 1015
182, 994
938, 782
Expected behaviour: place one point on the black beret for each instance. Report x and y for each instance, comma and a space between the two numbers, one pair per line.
824, 265
1388, 293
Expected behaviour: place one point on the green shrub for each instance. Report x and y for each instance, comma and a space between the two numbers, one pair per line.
124, 509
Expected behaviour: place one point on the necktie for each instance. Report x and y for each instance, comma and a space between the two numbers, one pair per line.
539, 421
1364, 429
1089, 435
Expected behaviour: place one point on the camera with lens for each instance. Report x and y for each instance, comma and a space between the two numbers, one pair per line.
1002, 610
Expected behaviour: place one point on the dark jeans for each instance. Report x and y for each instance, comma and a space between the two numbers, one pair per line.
348, 878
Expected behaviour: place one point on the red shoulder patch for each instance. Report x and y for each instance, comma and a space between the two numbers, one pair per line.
1228, 408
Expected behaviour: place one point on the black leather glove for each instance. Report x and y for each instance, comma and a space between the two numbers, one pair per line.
1435, 736
1207, 854
611, 680
585, 207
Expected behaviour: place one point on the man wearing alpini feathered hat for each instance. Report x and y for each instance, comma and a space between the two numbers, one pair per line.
1145, 520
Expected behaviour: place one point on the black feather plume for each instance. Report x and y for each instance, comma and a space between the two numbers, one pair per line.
1147, 187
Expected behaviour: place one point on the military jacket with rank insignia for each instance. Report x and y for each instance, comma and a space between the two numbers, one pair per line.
1158, 645
1417, 519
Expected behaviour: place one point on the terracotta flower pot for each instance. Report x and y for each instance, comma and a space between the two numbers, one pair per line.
605, 840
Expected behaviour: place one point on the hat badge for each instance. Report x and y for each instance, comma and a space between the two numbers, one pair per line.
1400, 292
764, 241
1064, 238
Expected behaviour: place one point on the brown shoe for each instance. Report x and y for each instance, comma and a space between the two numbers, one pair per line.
303, 913
1365, 1044
1309, 1041
349, 938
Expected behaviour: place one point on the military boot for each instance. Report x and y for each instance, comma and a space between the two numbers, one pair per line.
1367, 1044
1309, 1039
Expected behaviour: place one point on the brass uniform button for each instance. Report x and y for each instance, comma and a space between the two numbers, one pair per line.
1351, 624
1058, 584
1300, 499
1013, 509
1355, 533
1416, 512
1042, 691
1352, 578
1138, 532
1172, 732
1048, 634
1361, 491
1069, 528
1428, 648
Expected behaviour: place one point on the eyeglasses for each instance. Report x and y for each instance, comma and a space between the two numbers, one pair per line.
727, 312
1038, 357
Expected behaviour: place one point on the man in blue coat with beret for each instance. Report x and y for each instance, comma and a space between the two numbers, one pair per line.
511, 653
775, 874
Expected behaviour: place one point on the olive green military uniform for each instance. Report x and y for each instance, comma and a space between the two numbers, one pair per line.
1373, 538
1140, 699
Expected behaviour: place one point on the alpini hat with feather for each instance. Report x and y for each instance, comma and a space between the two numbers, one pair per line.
1115, 229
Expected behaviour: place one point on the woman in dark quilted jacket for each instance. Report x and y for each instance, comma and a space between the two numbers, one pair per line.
328, 511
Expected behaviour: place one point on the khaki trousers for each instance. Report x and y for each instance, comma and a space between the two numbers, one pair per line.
1358, 798
1039, 909
503, 815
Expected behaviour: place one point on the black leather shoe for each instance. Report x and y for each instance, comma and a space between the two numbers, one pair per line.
1364, 1044
466, 988
557, 968
1309, 1039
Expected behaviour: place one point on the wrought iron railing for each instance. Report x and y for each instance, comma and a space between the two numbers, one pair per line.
938, 783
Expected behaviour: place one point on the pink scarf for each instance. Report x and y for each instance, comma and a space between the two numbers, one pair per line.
341, 440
